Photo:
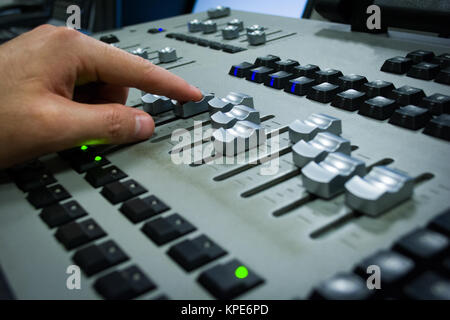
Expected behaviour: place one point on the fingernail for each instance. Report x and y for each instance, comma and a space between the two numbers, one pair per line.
144, 127
196, 91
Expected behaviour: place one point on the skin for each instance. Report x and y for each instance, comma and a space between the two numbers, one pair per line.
60, 89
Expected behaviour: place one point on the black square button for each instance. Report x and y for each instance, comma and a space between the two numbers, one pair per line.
46, 196
109, 38
30, 177
278, 79
259, 74
328, 75
286, 65
437, 103
350, 100
407, 95
75, 234
192, 254
428, 286
439, 127
59, 214
443, 60
378, 88
308, 70
163, 230
351, 81
342, 286
323, 92
420, 56
423, 70
443, 76
223, 283
441, 223
241, 70
397, 65
410, 117
267, 61
379, 108
100, 176
118, 191
137, 210
299, 86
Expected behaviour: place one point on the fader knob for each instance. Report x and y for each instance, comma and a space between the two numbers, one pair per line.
218, 12
256, 38
238, 113
244, 135
209, 26
167, 55
193, 108
195, 25
255, 27
230, 32
237, 23
140, 52
154, 104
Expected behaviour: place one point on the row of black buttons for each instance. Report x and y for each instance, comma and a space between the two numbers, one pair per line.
417, 267
421, 64
407, 107
206, 43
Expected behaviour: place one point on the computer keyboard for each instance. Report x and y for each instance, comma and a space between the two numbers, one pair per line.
336, 159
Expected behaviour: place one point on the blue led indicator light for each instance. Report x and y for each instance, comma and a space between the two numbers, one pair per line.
293, 87
253, 75
271, 81
160, 29
235, 71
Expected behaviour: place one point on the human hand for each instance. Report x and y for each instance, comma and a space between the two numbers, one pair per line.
60, 89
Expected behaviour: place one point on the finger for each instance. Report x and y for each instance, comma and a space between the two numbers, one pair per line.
105, 63
103, 123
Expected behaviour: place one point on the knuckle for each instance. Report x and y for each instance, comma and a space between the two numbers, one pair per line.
65, 35
44, 28
114, 122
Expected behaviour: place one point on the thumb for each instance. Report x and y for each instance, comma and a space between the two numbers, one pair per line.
107, 123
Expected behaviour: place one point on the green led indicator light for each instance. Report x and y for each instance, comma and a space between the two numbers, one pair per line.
98, 158
84, 148
241, 272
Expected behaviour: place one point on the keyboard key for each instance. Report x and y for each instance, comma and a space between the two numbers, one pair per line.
429, 286
125, 284
203, 42
278, 79
222, 282
350, 100
137, 210
259, 74
420, 56
441, 223
342, 287
59, 214
100, 176
443, 76
328, 75
192, 254
46, 196
410, 117
191, 39
437, 103
424, 71
241, 70
308, 70
30, 178
378, 88
118, 191
424, 246
96, 258
442, 60
267, 61
232, 49
87, 161
75, 234
109, 38
395, 268
163, 230
286, 65
351, 81
324, 92
439, 127
398, 65
299, 86
379, 108
407, 95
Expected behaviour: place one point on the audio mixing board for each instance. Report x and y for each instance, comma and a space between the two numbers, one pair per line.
314, 153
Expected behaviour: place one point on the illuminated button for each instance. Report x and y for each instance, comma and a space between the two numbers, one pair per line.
377, 192
154, 104
278, 80
192, 108
237, 113
259, 74
244, 135
218, 12
315, 123
256, 38
230, 32
318, 148
167, 55
308, 70
379, 108
195, 25
140, 52
209, 26
378, 88
299, 86
241, 70
328, 177
237, 23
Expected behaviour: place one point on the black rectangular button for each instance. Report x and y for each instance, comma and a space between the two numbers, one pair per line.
424, 71
300, 86
328, 75
125, 284
324, 92
437, 103
259, 74
192, 254
109, 38
278, 79
267, 61
46, 196
62, 213
441, 223
96, 258
407, 95
420, 56
308, 70
32, 178
286, 65
163, 230
75, 234
351, 81
379, 108
443, 76
397, 65
241, 70
429, 286
378, 88
118, 191
137, 210
100, 176
350, 100
229, 280
410, 117
439, 127
87, 161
